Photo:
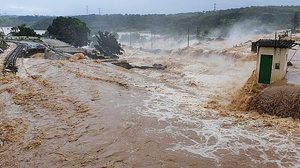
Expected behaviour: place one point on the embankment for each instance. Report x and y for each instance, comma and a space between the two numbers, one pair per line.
282, 101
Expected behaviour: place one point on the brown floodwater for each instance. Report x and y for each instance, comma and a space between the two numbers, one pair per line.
83, 113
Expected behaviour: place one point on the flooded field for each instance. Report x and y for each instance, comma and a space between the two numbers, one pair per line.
84, 113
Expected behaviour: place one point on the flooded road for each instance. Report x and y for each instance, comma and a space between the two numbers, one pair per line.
84, 113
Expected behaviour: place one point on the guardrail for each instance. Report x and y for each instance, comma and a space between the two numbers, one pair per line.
10, 61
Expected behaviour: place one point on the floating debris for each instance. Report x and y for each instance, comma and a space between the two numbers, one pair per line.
126, 65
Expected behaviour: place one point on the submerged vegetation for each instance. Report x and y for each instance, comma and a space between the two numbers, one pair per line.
3, 44
70, 30
107, 44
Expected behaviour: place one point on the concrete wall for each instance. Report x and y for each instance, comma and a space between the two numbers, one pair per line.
49, 54
279, 56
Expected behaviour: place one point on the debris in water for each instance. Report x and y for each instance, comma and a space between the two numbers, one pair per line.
126, 65
123, 64
78, 56
213, 105
1, 143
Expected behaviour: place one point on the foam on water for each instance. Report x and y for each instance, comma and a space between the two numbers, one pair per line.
216, 133
203, 132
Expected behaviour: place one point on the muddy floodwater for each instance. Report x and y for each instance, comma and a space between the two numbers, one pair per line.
84, 113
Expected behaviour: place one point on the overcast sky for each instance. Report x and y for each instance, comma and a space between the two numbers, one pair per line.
78, 7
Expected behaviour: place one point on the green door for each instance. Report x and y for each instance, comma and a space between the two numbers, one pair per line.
265, 70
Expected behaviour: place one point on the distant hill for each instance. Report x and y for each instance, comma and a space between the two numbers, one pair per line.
275, 17
6, 21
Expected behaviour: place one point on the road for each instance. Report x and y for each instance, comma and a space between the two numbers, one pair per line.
9, 63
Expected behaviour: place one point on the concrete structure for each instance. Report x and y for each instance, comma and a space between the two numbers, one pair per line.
271, 59
62, 47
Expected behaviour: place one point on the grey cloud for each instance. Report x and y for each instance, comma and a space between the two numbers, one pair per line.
78, 7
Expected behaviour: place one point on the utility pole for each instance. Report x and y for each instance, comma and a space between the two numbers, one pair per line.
151, 39
130, 39
87, 10
215, 7
188, 36
99, 9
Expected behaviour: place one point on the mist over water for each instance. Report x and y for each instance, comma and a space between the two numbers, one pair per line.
237, 34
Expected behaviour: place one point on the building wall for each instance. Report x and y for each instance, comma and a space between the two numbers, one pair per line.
279, 56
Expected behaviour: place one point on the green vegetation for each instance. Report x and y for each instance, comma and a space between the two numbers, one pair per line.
70, 30
274, 17
12, 21
177, 24
107, 44
3, 45
295, 22
23, 30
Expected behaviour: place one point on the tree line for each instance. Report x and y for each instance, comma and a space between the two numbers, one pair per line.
175, 24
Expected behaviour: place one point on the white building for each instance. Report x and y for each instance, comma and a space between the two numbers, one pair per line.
271, 59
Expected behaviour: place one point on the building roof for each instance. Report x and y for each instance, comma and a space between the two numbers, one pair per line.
275, 43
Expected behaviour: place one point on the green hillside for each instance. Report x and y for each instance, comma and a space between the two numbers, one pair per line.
271, 16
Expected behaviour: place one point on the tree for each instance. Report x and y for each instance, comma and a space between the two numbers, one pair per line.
3, 45
70, 30
23, 30
108, 44
1, 37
